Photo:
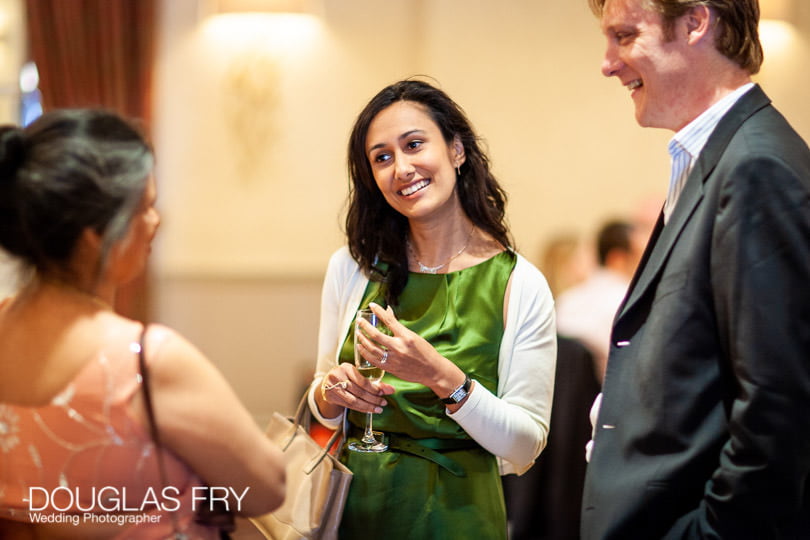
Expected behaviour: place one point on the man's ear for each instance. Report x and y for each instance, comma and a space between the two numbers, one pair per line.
699, 20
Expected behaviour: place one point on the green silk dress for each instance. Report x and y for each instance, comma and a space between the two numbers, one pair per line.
434, 481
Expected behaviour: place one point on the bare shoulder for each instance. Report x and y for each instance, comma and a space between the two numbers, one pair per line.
41, 355
168, 351
205, 424
179, 369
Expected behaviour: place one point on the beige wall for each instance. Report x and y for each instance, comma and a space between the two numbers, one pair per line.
252, 120
11, 58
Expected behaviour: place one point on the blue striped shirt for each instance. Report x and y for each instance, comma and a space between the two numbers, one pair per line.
685, 147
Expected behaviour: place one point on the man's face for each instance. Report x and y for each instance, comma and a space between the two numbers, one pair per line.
652, 68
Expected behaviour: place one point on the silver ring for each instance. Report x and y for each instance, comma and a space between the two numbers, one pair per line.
384, 358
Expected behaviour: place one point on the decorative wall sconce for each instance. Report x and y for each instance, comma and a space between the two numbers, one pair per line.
254, 49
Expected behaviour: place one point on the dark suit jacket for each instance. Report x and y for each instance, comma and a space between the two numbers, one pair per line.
704, 430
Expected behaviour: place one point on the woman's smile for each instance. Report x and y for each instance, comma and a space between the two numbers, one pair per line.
414, 187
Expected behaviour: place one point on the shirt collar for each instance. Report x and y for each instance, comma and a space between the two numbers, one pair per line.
694, 135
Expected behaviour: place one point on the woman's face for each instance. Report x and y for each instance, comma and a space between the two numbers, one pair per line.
134, 249
413, 166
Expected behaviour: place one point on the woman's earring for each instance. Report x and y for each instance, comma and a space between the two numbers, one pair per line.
458, 170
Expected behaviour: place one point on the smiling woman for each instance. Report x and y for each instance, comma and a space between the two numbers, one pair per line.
412, 124
469, 363
408, 153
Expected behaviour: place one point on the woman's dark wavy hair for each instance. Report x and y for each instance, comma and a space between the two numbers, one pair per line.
377, 234
69, 170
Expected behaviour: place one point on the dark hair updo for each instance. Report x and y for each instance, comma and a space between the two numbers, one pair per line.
11, 152
69, 170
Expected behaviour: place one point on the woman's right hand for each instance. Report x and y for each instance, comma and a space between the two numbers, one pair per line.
344, 387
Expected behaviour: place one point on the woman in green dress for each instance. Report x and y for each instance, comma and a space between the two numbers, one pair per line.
470, 363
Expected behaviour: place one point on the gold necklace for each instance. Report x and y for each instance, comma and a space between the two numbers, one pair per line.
425, 269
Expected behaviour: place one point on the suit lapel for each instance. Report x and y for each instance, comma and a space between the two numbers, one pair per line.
690, 197
660, 246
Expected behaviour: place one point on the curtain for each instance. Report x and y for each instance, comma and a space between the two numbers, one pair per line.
97, 53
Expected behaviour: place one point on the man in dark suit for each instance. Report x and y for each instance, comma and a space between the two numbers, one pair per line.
704, 427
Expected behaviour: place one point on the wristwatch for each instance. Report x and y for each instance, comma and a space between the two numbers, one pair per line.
459, 393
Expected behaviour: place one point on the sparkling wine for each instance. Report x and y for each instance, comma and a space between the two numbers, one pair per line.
368, 443
371, 372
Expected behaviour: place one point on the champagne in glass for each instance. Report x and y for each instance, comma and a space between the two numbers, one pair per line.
370, 372
368, 443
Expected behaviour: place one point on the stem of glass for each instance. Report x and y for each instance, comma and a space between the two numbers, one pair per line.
368, 436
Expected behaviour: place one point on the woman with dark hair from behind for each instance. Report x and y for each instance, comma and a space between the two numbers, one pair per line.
469, 368
77, 206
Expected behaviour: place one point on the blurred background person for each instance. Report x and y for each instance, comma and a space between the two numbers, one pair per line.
467, 390
77, 206
545, 502
586, 311
565, 261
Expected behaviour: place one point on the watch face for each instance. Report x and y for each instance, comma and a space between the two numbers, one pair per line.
458, 395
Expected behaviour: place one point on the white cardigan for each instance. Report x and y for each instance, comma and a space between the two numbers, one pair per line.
512, 425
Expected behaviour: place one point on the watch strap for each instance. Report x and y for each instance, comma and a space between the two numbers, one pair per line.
459, 393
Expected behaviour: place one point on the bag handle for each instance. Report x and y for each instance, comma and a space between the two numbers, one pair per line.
303, 418
315, 462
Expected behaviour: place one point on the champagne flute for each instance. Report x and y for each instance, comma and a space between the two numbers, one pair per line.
368, 443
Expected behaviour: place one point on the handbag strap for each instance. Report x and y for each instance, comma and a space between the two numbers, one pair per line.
217, 517
150, 410
303, 418
150, 414
303, 415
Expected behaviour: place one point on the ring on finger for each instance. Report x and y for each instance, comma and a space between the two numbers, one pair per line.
384, 358
341, 384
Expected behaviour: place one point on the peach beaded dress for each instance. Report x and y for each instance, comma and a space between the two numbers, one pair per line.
84, 460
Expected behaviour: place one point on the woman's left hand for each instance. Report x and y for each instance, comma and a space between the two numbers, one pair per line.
406, 354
